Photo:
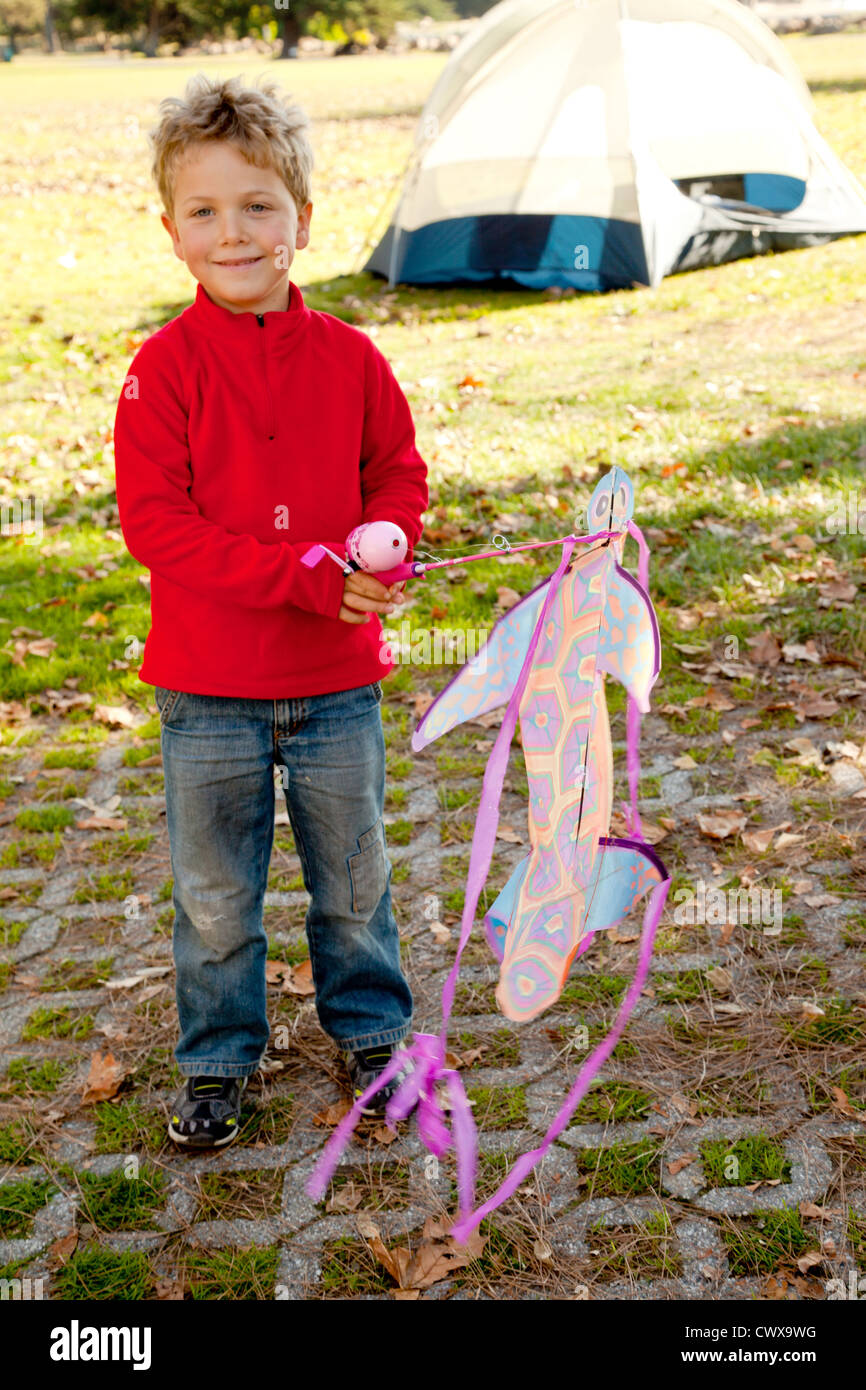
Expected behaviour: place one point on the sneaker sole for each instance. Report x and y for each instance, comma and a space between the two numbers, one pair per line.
189, 1141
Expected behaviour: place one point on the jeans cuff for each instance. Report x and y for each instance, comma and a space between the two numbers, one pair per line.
224, 1069
391, 1037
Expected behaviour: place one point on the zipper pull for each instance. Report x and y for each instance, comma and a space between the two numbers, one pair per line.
261, 319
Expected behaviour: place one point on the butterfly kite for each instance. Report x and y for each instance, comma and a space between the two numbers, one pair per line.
546, 660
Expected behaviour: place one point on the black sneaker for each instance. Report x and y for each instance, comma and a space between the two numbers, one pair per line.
364, 1066
207, 1112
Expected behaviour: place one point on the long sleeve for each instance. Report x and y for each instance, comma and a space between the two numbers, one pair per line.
163, 528
393, 473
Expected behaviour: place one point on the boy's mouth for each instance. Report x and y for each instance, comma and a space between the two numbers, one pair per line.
240, 264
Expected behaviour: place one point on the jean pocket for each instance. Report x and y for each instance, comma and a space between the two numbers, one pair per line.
166, 702
368, 869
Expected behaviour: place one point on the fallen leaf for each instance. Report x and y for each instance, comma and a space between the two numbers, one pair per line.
821, 900
505, 832
114, 714
274, 971
441, 934
819, 1213
714, 700
406, 1295
346, 1198
809, 1261
506, 598
60, 1251
333, 1114
844, 1106
300, 979
542, 1251
764, 649
383, 1135
807, 753
102, 823
169, 1290
104, 1080
800, 651
721, 824
678, 1164
685, 763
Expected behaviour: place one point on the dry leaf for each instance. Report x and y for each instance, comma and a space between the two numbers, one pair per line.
764, 649
844, 1106
542, 1251
101, 823
440, 933
346, 1198
677, 1165
115, 714
799, 651
820, 1213
809, 1261
104, 1079
383, 1135
686, 763
274, 971
721, 824
333, 1114
423, 701
505, 832
61, 1250
300, 979
714, 699
506, 598
169, 1290
406, 1295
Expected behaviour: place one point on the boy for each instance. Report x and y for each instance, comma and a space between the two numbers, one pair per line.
248, 429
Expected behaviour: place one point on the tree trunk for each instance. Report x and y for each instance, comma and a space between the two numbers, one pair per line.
152, 41
52, 42
290, 32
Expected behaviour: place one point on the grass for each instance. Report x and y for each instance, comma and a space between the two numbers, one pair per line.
121, 1203
619, 1170
612, 1102
646, 1250
757, 1245
251, 1196
350, 1270
93, 1274
19, 1201
57, 1023
755, 1158
498, 1107
28, 1077
232, 1275
127, 1126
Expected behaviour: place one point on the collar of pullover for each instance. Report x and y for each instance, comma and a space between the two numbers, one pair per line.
249, 332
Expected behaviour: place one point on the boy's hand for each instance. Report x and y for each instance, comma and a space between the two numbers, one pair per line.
364, 594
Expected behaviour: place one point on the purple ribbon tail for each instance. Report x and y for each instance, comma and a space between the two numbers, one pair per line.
465, 1142
524, 1165
318, 1182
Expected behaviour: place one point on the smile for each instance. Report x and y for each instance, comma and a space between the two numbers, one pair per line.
240, 265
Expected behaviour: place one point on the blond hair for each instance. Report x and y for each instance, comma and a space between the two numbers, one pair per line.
263, 122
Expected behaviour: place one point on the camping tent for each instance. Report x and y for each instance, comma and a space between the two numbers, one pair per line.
603, 143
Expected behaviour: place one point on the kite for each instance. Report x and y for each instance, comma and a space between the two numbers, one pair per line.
546, 660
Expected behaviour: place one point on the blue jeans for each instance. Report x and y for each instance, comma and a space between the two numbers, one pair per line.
218, 755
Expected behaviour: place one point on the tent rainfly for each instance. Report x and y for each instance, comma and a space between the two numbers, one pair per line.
601, 144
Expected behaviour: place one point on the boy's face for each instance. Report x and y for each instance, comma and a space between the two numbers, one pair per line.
236, 227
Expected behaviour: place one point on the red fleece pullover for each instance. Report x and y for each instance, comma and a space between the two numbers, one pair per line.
240, 441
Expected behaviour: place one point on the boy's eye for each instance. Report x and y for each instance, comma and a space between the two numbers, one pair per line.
264, 207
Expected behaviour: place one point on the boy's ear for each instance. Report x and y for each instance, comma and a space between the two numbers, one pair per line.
303, 235
172, 231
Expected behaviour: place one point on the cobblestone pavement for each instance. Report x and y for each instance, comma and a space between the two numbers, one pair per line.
635, 1201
